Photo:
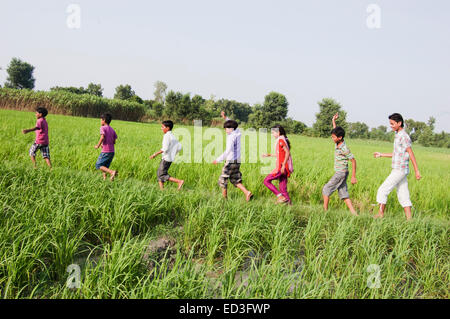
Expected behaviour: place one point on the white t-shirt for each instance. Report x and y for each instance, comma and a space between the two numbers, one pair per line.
170, 147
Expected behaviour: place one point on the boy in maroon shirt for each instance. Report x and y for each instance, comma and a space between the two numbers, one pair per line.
107, 140
41, 142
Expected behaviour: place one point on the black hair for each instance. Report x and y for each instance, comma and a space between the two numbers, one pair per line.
282, 132
168, 124
230, 124
338, 131
397, 118
42, 110
106, 117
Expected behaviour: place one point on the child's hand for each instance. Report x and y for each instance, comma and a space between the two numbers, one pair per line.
223, 114
96, 146
214, 162
418, 177
24, 131
283, 169
377, 154
265, 155
335, 116
152, 156
354, 180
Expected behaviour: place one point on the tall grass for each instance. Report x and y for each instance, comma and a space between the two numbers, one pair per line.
61, 102
224, 249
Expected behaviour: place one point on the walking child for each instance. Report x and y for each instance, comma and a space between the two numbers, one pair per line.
284, 166
41, 142
170, 148
107, 140
232, 156
400, 168
338, 182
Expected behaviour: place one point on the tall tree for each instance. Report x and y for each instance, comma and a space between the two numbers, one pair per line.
160, 91
95, 89
20, 75
124, 92
329, 107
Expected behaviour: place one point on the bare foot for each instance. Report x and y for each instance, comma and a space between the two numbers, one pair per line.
180, 184
104, 176
113, 175
379, 215
248, 196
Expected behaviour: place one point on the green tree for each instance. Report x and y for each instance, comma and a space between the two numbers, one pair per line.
20, 75
323, 124
95, 89
414, 128
358, 130
173, 104
160, 91
124, 92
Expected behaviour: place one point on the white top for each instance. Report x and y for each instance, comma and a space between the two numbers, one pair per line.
233, 150
170, 147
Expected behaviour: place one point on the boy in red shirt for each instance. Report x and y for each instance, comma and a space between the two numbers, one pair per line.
41, 142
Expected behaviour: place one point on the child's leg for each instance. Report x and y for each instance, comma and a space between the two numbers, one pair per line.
49, 164
224, 193
349, 204
268, 183
105, 169
246, 192
326, 200
33, 160
403, 196
283, 187
385, 189
180, 182
161, 185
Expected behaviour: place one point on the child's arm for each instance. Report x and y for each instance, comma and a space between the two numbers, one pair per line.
268, 155
286, 157
354, 180
156, 154
334, 119
30, 130
378, 154
102, 137
413, 160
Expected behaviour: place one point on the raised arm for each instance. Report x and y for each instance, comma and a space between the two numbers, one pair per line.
335, 116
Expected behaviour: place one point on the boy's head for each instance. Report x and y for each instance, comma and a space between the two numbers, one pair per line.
166, 126
337, 134
396, 121
41, 112
230, 126
106, 118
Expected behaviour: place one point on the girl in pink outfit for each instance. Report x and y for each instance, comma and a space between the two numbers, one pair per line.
284, 166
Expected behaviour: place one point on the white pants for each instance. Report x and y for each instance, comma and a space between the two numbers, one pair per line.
397, 179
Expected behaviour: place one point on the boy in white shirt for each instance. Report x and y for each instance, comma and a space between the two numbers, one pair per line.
170, 148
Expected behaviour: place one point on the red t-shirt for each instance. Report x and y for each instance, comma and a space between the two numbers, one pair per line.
281, 155
42, 132
109, 140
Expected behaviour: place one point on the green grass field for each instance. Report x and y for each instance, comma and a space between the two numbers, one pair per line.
218, 249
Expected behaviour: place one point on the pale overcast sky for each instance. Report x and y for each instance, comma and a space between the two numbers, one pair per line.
242, 50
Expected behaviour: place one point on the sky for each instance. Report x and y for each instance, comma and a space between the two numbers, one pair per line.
374, 62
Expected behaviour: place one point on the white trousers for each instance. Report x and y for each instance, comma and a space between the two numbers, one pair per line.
397, 179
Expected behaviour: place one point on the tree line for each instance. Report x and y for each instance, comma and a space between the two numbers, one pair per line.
184, 108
